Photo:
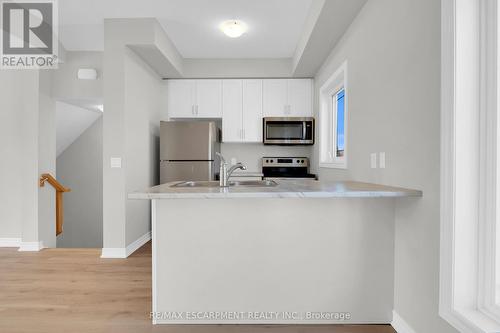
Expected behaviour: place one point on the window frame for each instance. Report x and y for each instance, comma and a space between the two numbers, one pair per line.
468, 164
328, 120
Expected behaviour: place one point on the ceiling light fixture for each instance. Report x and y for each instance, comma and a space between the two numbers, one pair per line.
233, 28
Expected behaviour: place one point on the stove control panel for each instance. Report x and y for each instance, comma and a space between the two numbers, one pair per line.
285, 162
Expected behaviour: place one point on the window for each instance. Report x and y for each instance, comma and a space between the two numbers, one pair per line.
333, 120
340, 113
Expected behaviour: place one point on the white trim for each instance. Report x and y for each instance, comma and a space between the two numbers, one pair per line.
400, 325
30, 246
114, 253
154, 306
122, 253
336, 82
488, 150
462, 91
10, 242
135, 245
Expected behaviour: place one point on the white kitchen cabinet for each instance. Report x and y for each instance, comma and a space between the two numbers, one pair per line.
287, 98
194, 98
242, 111
275, 96
181, 98
300, 98
232, 106
252, 110
209, 98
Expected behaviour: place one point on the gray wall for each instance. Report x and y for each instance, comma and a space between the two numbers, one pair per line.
393, 54
79, 167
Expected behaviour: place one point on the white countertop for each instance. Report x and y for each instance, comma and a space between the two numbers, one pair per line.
285, 189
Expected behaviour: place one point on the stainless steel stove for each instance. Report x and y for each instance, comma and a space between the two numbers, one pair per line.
286, 168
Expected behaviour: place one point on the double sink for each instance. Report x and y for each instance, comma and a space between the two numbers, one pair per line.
242, 183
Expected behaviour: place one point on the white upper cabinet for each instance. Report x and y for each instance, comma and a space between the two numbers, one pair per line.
288, 98
209, 98
232, 115
181, 98
194, 98
242, 111
252, 110
300, 98
275, 97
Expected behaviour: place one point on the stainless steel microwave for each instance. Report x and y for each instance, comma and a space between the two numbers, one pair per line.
288, 131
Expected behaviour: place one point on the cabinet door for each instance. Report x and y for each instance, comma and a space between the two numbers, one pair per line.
275, 98
252, 110
300, 98
209, 98
232, 111
180, 98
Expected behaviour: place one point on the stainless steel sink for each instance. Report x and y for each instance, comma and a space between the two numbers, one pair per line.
253, 183
241, 183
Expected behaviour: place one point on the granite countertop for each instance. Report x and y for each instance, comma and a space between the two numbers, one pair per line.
285, 189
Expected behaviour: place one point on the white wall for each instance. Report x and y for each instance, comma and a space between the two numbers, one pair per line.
79, 167
46, 160
129, 102
19, 151
71, 122
393, 54
143, 110
67, 86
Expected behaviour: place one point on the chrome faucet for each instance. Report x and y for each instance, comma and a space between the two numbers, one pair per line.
225, 173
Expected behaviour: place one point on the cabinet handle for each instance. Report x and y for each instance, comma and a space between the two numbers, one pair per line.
196, 108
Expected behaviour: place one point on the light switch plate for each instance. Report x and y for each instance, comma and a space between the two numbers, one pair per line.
116, 162
381, 160
373, 160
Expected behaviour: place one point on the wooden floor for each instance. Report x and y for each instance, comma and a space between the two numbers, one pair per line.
73, 290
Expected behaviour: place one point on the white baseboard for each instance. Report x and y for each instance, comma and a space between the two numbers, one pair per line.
114, 252
30, 246
400, 325
121, 253
10, 242
134, 246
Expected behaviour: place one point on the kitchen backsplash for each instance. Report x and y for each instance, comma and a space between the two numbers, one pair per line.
250, 154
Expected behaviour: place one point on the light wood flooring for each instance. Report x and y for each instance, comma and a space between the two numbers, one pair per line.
73, 290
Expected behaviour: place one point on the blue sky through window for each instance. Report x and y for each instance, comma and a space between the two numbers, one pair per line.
340, 122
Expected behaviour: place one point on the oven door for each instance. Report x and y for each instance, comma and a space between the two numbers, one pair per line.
288, 131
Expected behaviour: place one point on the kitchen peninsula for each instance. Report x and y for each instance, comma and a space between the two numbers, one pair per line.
307, 252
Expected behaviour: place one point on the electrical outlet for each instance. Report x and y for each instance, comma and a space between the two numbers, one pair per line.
233, 160
116, 162
381, 160
373, 160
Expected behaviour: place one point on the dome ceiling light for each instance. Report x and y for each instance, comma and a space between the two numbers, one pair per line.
233, 28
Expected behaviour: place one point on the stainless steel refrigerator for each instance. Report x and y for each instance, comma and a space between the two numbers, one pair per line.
187, 150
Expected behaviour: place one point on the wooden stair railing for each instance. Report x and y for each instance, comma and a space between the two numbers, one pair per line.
59, 199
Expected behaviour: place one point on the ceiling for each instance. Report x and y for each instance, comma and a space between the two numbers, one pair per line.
275, 26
